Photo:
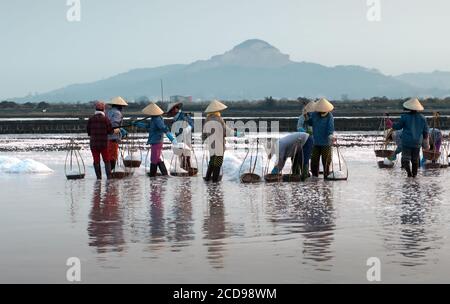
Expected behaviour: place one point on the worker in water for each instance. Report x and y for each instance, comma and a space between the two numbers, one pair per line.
388, 121
435, 142
415, 132
396, 137
182, 127
298, 146
214, 133
98, 129
322, 122
302, 125
115, 115
156, 129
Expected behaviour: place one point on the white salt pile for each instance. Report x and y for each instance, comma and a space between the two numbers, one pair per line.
388, 162
132, 158
18, 166
337, 175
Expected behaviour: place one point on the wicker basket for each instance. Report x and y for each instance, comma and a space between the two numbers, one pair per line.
190, 173
384, 153
132, 163
273, 178
382, 165
431, 155
75, 176
249, 178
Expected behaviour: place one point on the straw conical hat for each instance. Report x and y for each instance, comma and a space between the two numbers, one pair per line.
118, 101
152, 110
215, 106
323, 106
173, 105
413, 105
310, 107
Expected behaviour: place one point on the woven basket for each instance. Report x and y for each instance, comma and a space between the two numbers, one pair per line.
190, 173
384, 153
273, 178
249, 178
431, 155
75, 176
132, 163
382, 165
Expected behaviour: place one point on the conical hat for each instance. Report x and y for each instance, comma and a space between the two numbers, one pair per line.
173, 105
310, 107
323, 106
413, 105
118, 101
215, 106
152, 110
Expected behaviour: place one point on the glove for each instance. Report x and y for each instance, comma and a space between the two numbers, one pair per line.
172, 138
123, 132
275, 170
301, 130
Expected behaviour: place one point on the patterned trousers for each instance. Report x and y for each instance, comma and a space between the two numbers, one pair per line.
325, 153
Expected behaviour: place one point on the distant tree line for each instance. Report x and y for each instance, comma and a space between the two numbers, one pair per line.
268, 104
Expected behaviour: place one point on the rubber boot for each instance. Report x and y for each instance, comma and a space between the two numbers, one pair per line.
98, 171
209, 173
216, 174
415, 169
407, 167
163, 169
108, 170
113, 165
153, 170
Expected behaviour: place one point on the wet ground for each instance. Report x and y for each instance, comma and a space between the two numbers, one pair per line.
183, 230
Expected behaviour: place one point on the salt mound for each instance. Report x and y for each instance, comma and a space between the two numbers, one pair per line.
181, 149
132, 158
388, 162
17, 166
337, 175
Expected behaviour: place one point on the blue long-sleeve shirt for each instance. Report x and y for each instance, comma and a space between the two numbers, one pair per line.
156, 129
180, 117
323, 127
415, 129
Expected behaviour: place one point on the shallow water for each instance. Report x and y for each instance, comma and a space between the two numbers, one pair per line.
183, 230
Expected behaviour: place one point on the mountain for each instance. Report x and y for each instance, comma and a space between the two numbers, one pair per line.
436, 79
251, 70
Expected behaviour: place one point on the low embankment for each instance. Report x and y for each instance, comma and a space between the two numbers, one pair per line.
64, 126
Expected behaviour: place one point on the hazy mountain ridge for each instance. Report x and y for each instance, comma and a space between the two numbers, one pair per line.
251, 70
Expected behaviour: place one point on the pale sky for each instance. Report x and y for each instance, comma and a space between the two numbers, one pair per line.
41, 51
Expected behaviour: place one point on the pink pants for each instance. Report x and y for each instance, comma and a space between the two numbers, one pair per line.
156, 153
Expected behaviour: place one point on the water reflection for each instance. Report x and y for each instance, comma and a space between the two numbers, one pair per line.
214, 226
181, 227
105, 226
307, 211
157, 219
410, 229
